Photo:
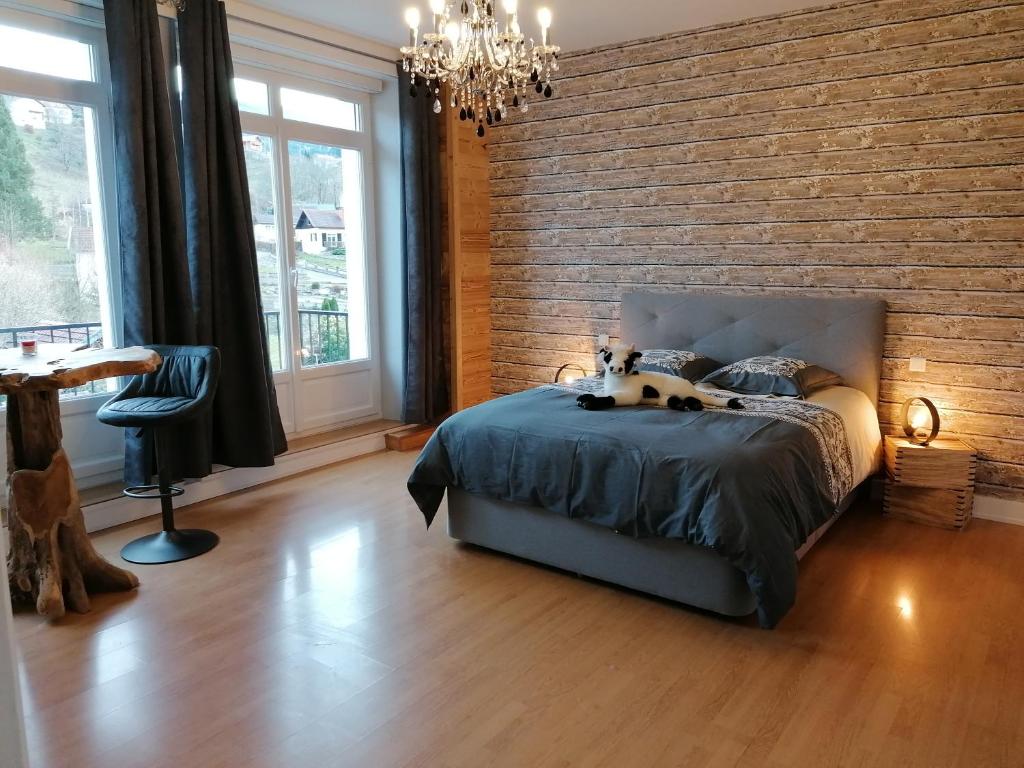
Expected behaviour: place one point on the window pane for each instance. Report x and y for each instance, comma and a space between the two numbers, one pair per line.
45, 54
259, 163
320, 110
52, 252
252, 96
326, 186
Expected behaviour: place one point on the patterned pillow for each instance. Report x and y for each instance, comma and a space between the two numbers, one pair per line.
676, 362
772, 376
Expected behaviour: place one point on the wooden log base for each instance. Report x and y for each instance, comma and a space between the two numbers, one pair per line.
52, 562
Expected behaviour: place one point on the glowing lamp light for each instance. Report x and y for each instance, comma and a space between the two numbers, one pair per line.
570, 378
452, 31
510, 6
437, 7
920, 419
906, 606
544, 19
412, 17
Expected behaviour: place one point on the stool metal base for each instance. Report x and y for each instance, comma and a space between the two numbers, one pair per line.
169, 546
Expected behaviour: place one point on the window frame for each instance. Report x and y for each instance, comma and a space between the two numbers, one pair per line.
282, 131
95, 95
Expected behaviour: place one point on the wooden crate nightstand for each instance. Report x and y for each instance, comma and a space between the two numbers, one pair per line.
931, 484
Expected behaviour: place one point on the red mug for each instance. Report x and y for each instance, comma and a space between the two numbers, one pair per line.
28, 347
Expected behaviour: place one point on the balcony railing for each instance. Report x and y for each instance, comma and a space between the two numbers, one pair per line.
68, 333
323, 336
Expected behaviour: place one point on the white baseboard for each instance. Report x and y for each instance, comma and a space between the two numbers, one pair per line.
106, 514
1000, 510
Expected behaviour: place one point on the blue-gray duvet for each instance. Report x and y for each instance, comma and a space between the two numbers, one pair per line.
752, 485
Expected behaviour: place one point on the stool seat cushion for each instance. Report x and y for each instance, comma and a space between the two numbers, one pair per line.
183, 386
143, 411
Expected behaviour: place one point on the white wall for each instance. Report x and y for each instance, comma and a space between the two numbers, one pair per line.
12, 735
387, 152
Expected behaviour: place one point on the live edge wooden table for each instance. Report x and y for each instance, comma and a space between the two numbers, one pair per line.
52, 561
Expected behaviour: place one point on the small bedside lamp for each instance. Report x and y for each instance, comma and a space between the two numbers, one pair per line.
571, 376
915, 414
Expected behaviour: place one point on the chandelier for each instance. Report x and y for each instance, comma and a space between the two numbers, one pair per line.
488, 70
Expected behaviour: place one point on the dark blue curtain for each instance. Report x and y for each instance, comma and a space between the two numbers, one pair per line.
245, 423
200, 287
156, 295
426, 397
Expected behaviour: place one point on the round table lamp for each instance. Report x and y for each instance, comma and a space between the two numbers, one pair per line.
917, 413
570, 377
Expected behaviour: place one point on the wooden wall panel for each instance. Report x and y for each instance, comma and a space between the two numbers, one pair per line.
872, 148
467, 222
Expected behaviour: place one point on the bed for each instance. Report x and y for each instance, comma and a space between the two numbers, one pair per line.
712, 509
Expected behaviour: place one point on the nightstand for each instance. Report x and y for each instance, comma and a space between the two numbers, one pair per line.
931, 484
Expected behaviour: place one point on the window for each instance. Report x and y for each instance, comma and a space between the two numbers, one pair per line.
259, 162
252, 96
54, 276
326, 191
319, 110
45, 54
306, 150
323, 183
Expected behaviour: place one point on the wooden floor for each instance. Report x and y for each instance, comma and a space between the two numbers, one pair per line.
330, 629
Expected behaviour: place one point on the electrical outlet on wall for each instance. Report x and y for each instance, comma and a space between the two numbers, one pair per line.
918, 365
602, 340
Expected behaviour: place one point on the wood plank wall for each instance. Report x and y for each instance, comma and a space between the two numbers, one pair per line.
869, 148
466, 213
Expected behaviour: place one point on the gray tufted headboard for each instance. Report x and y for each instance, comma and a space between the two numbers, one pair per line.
843, 335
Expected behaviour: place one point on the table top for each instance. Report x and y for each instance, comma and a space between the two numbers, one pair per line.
59, 366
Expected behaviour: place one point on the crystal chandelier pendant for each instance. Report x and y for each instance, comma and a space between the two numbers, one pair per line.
487, 66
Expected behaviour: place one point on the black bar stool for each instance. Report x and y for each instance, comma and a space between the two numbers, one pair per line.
182, 388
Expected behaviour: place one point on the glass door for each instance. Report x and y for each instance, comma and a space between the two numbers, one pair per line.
259, 163
306, 155
329, 258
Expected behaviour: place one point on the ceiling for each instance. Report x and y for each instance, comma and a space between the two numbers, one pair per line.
577, 23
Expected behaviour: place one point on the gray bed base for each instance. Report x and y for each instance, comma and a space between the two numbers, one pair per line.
843, 335
668, 568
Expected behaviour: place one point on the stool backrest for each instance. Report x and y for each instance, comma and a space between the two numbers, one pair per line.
186, 371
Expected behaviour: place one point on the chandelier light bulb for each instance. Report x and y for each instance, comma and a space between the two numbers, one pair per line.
438, 6
544, 17
412, 17
510, 6
452, 31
